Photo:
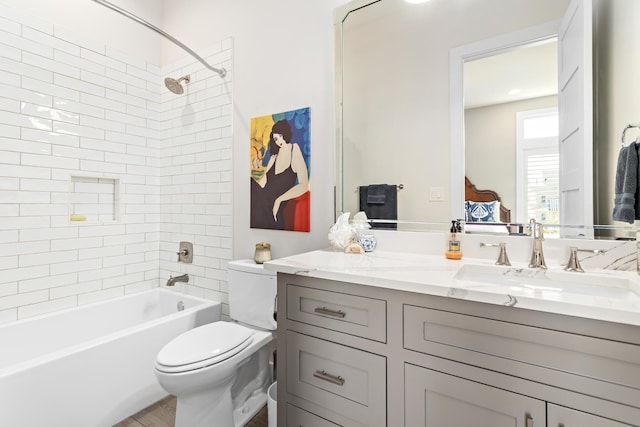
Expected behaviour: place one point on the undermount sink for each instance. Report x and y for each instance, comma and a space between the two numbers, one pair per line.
618, 285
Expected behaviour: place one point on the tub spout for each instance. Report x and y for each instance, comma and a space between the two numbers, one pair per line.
172, 280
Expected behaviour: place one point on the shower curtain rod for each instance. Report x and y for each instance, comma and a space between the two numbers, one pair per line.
221, 71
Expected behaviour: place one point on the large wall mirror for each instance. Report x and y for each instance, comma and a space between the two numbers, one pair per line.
399, 125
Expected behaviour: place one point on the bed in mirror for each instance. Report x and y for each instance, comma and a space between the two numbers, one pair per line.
498, 212
484, 211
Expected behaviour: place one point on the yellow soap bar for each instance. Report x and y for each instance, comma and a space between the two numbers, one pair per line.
78, 218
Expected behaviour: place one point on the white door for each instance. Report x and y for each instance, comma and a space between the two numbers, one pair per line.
559, 416
435, 399
575, 95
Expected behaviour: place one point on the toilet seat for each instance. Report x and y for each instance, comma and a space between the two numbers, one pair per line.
203, 346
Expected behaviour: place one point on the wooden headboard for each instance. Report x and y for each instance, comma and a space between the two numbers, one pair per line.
473, 194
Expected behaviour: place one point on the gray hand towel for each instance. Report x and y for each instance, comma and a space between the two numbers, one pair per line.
377, 194
626, 184
382, 206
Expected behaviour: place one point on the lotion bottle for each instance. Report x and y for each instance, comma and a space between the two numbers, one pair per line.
454, 246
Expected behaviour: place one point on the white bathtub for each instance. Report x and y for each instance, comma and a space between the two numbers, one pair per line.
91, 366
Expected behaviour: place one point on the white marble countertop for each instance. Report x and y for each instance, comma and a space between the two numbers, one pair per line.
617, 301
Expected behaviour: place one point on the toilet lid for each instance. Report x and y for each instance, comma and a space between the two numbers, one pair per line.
204, 346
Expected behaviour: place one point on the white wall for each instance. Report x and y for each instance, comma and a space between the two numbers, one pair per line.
74, 107
283, 61
195, 173
189, 184
92, 21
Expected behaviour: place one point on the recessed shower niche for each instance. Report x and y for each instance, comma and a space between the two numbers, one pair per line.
94, 199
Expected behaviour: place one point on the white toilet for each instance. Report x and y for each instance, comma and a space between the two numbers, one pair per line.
220, 372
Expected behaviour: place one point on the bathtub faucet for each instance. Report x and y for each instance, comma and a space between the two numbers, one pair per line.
172, 280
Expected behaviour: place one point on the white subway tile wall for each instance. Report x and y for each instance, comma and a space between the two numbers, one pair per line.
89, 131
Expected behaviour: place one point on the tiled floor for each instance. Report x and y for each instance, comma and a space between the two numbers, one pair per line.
163, 414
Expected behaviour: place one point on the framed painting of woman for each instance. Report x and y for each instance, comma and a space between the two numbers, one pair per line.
280, 165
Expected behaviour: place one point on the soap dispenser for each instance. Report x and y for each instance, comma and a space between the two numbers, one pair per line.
454, 246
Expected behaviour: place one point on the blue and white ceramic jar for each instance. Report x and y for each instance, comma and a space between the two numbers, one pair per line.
367, 241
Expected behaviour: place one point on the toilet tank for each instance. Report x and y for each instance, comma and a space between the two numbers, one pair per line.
252, 293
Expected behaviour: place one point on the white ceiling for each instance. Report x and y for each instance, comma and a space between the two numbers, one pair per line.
532, 69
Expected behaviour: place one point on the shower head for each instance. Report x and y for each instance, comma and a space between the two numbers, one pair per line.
174, 85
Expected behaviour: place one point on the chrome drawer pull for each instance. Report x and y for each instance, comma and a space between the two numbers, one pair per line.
329, 312
330, 378
528, 421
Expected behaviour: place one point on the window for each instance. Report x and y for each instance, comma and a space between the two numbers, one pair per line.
538, 162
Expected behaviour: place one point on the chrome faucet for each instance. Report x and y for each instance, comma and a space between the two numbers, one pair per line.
172, 280
537, 257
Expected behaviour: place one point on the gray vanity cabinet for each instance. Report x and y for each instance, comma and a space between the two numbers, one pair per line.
301, 418
333, 375
359, 355
438, 400
349, 381
558, 416
433, 398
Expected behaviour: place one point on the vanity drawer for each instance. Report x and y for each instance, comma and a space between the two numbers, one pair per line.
445, 333
346, 381
350, 314
300, 417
